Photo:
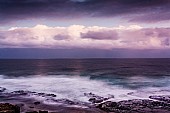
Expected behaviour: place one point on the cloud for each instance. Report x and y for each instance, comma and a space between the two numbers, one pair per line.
130, 10
61, 37
78, 36
2, 37
100, 35
78, 0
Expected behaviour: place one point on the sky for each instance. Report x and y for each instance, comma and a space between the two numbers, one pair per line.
84, 28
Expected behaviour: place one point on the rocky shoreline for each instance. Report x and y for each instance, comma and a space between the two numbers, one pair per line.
15, 102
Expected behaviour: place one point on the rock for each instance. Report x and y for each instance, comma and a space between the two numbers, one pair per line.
20, 105
31, 107
36, 103
2, 89
111, 96
20, 92
65, 101
130, 93
164, 98
33, 92
9, 108
37, 111
41, 94
43, 111
96, 99
32, 112
69, 102
135, 106
107, 106
51, 95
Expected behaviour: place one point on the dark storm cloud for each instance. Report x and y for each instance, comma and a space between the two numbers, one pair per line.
132, 10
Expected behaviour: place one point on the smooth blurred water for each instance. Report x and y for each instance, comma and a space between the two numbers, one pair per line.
71, 78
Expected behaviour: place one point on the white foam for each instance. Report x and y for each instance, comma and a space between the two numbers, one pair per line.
72, 87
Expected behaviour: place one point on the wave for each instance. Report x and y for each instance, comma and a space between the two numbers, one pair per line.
74, 87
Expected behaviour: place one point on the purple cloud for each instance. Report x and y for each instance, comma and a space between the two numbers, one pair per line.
100, 35
130, 10
78, 36
61, 37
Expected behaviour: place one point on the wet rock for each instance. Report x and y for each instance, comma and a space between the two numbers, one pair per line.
130, 93
164, 98
31, 107
33, 92
135, 106
20, 105
43, 111
44, 94
107, 106
65, 101
24, 93
9, 108
51, 95
2, 89
150, 104
20, 92
37, 111
69, 102
111, 96
32, 112
41, 94
96, 99
36, 103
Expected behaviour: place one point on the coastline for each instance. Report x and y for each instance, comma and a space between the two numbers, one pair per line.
156, 104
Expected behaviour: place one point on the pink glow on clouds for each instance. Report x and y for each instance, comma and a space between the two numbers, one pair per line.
79, 36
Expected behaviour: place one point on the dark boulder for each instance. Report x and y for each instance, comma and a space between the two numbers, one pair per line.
20, 92
36, 103
107, 106
135, 106
164, 98
51, 95
43, 111
9, 108
95, 98
2, 89
32, 112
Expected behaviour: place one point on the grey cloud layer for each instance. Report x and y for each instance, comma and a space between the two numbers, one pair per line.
77, 36
131, 10
100, 35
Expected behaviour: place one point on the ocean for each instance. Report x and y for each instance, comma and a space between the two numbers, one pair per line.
71, 79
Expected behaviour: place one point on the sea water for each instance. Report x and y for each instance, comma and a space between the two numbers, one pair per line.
71, 78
